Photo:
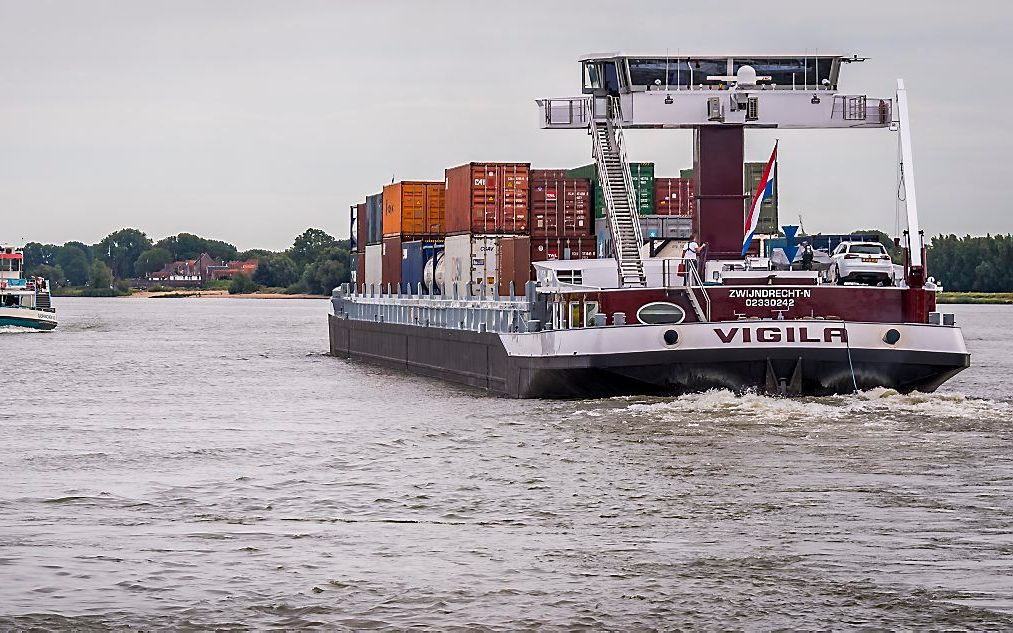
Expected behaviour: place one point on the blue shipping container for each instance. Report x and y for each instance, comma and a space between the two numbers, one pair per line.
415, 256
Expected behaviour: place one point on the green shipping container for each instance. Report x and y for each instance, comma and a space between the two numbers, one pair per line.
643, 184
768, 223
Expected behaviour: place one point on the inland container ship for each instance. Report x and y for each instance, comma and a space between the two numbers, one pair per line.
577, 283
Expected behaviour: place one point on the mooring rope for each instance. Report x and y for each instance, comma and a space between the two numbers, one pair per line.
847, 345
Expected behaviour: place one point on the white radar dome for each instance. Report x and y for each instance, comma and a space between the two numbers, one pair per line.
746, 76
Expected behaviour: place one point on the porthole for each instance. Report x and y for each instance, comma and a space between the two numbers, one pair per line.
660, 312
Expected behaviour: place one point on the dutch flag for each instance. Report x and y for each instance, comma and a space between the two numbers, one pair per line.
763, 192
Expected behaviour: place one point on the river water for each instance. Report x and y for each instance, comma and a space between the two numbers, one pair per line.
200, 463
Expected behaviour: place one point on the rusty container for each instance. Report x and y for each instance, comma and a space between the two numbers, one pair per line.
391, 258
514, 263
487, 198
360, 226
414, 209
560, 206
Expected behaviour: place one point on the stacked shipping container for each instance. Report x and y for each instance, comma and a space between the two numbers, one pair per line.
561, 216
489, 209
487, 221
413, 208
487, 198
643, 185
486, 264
674, 196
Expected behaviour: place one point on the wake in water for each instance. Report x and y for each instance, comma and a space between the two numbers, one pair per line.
872, 405
15, 329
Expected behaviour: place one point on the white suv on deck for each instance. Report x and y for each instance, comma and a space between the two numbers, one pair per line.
861, 262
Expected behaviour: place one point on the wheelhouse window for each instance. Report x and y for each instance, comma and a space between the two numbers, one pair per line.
600, 74
676, 72
787, 72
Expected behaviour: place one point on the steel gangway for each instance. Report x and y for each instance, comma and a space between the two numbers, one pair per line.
616, 182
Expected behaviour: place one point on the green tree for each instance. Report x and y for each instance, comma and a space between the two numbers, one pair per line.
896, 252
151, 260
310, 246
75, 264
330, 270
972, 263
276, 270
37, 254
241, 284
190, 246
253, 253
53, 273
101, 275
120, 249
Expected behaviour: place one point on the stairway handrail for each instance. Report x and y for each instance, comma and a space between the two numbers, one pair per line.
616, 123
599, 156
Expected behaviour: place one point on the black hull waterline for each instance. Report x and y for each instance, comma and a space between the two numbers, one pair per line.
483, 360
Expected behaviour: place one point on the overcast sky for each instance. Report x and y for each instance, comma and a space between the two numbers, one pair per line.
250, 121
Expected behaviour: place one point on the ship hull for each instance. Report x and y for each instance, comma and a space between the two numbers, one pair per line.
796, 358
27, 318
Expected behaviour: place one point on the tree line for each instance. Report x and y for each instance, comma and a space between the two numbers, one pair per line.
315, 263
972, 264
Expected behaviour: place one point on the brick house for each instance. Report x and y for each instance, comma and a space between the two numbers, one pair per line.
188, 271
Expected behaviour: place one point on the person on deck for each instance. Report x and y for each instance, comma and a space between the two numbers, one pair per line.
692, 255
807, 255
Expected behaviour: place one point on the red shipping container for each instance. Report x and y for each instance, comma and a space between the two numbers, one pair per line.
514, 262
560, 206
360, 226
674, 196
487, 198
391, 272
551, 249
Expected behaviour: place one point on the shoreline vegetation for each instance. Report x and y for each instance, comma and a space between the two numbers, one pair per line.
187, 293
984, 298
128, 263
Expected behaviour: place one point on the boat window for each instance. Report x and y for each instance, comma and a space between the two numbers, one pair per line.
558, 316
867, 249
645, 72
574, 314
574, 277
661, 312
591, 77
590, 310
611, 79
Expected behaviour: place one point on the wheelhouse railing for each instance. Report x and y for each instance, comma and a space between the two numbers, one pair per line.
565, 112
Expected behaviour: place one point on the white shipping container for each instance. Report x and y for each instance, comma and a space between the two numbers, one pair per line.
471, 259
374, 266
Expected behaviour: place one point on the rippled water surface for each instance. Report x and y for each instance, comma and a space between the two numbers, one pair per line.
201, 463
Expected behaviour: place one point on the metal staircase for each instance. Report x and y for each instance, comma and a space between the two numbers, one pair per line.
620, 198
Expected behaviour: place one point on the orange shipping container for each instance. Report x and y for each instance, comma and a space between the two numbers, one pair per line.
414, 209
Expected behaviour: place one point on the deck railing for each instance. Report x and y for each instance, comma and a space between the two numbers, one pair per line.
385, 304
